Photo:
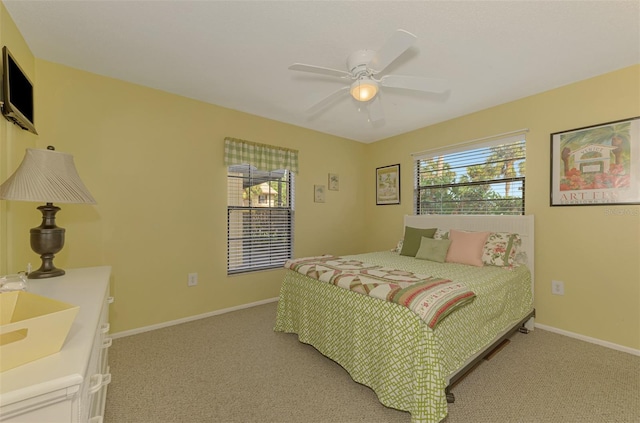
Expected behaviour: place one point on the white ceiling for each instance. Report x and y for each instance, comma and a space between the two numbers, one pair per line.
236, 53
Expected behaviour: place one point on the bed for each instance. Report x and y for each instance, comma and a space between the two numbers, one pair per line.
410, 363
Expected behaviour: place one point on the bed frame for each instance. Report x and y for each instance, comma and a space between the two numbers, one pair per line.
522, 225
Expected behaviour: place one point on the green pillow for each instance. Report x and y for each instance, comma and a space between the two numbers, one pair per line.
412, 239
433, 249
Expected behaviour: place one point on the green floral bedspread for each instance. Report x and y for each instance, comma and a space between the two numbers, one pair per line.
389, 348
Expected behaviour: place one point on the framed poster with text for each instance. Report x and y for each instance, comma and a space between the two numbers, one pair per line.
596, 165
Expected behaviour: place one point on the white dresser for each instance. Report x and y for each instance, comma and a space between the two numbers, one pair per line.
71, 385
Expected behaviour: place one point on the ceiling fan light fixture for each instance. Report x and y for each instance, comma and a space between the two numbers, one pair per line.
364, 89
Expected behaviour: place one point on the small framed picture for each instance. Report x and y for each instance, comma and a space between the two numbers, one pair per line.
388, 185
334, 182
318, 193
596, 165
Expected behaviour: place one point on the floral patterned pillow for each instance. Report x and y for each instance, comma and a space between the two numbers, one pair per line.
398, 247
501, 249
441, 234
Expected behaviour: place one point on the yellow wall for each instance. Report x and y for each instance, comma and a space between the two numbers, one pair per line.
13, 141
594, 252
154, 163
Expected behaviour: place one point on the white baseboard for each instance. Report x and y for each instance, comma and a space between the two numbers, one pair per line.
123, 334
611, 345
190, 319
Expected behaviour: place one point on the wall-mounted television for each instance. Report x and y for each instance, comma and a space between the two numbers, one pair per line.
17, 93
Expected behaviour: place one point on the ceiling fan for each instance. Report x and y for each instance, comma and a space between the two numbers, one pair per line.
362, 68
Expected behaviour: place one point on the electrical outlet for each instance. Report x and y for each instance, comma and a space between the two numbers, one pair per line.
192, 279
557, 287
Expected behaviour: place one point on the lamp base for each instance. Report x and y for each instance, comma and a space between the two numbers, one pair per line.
47, 240
42, 274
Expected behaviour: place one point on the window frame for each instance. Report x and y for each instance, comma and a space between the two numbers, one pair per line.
282, 216
478, 151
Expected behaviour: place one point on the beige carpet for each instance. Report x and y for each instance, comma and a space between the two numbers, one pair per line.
234, 368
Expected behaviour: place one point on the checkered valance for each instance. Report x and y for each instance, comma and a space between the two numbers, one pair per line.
262, 156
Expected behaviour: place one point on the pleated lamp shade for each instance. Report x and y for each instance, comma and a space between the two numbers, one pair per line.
46, 176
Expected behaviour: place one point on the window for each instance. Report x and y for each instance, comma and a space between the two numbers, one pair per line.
487, 178
259, 218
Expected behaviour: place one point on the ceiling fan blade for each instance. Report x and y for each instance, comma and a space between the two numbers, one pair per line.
374, 108
418, 83
320, 70
399, 42
327, 100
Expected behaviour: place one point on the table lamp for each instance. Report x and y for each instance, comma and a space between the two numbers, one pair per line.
46, 176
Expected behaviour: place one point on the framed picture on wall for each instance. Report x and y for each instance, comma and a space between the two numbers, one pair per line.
388, 185
318, 193
596, 165
334, 182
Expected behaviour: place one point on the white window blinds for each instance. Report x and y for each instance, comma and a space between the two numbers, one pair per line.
259, 218
472, 178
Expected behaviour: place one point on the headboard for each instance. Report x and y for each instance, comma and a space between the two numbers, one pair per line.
522, 225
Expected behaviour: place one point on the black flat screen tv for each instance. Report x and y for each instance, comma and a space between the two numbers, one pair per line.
17, 93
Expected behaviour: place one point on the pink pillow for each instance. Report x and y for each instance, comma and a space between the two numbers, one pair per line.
466, 247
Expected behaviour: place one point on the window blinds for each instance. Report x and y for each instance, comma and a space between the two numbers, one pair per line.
259, 218
472, 178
